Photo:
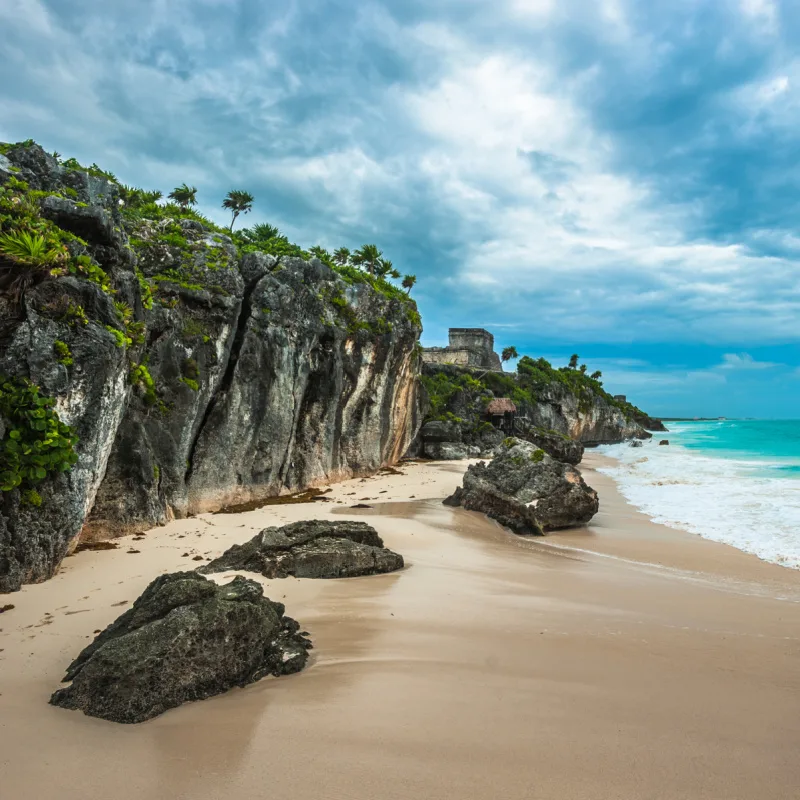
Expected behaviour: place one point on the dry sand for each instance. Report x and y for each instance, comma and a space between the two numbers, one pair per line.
624, 660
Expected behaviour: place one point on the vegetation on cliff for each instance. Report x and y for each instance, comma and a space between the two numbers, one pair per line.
533, 378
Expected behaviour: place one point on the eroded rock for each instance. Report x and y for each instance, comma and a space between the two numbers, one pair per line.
311, 549
185, 638
527, 491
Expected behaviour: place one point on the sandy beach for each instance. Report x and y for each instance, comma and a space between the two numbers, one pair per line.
623, 660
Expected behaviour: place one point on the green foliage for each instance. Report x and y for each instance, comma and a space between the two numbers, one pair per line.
62, 352
120, 339
537, 456
192, 328
75, 314
156, 472
30, 497
84, 267
192, 384
36, 443
140, 376
509, 442
31, 249
408, 282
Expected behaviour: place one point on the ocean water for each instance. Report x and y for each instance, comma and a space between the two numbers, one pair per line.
733, 481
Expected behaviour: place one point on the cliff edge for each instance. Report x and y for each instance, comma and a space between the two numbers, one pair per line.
152, 367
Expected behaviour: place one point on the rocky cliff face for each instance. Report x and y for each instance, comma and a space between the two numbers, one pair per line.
558, 415
194, 374
593, 421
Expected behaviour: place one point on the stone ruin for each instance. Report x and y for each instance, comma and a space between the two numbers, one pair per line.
469, 347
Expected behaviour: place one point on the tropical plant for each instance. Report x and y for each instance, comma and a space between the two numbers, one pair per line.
369, 257
573, 361
408, 282
596, 375
384, 268
37, 443
320, 252
341, 256
184, 195
237, 202
509, 353
25, 260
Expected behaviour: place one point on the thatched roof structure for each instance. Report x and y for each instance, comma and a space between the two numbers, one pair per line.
501, 405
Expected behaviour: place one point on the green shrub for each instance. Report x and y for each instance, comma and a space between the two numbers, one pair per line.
62, 352
36, 443
120, 339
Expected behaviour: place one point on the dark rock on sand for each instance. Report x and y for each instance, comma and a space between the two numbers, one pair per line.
664, 441
636, 443
185, 638
526, 490
311, 549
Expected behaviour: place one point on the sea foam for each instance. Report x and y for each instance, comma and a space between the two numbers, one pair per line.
747, 500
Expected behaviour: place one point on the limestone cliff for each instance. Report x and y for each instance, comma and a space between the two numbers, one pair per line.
194, 372
559, 410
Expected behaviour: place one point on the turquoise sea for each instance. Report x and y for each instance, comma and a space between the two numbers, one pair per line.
733, 481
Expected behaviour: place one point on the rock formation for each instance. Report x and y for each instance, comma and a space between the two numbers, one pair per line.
195, 372
311, 549
185, 638
553, 407
527, 491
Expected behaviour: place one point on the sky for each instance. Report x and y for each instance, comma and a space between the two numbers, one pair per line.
613, 178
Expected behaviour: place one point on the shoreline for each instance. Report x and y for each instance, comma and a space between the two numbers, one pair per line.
625, 655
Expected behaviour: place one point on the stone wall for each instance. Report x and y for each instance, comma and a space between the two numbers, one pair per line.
469, 347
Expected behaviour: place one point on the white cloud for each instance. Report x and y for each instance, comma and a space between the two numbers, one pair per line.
740, 361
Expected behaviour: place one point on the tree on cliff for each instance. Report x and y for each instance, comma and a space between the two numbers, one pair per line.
369, 257
385, 269
184, 195
509, 353
341, 256
573, 361
237, 202
596, 375
408, 282
321, 253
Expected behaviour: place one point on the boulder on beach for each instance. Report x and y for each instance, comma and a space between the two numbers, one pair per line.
311, 549
664, 441
527, 491
555, 444
636, 443
185, 638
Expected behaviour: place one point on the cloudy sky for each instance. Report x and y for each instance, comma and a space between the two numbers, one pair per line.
616, 178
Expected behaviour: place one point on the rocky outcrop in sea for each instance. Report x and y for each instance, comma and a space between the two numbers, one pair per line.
185, 638
526, 490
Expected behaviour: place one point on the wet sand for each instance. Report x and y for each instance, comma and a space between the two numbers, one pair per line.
623, 660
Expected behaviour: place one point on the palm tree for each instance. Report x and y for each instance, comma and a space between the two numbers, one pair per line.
368, 256
384, 268
573, 361
596, 375
509, 353
237, 202
184, 195
341, 256
320, 252
408, 282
